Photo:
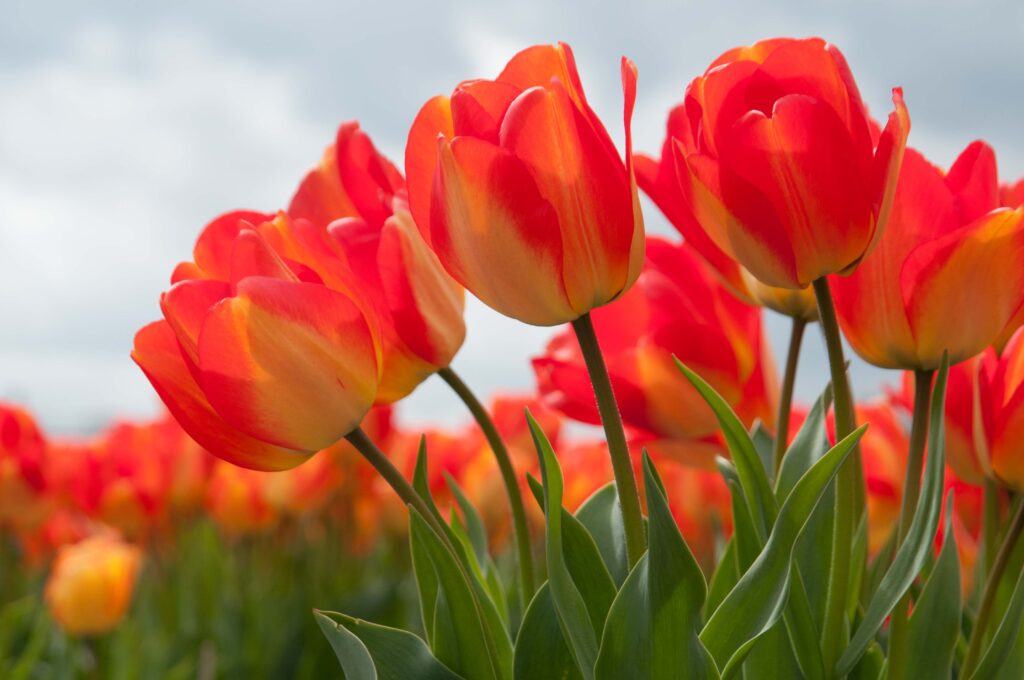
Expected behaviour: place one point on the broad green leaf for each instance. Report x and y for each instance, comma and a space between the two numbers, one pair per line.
764, 444
756, 488
602, 516
809, 445
1006, 635
478, 647
367, 651
586, 567
744, 536
475, 529
573, 615
724, 578
651, 631
935, 622
758, 600
917, 544
541, 651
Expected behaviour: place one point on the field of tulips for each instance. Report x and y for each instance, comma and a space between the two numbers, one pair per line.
279, 520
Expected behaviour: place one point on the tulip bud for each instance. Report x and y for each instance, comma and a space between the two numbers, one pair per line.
91, 584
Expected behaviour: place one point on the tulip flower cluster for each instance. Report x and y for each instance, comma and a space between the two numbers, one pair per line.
717, 528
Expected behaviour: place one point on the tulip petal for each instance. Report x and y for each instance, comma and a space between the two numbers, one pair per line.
488, 216
973, 180
321, 197
802, 159
291, 363
433, 120
212, 252
370, 180
960, 290
478, 107
185, 305
157, 353
251, 255
764, 247
539, 65
886, 168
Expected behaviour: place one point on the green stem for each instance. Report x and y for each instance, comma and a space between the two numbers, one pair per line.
508, 476
899, 623
395, 479
989, 525
991, 588
796, 335
625, 480
835, 624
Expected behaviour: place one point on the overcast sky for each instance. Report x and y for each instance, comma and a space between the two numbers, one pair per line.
125, 126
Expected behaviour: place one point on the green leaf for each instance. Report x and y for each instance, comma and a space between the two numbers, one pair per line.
724, 578
573, 615
764, 444
1006, 637
756, 488
475, 529
541, 651
473, 642
935, 622
602, 516
367, 651
917, 544
651, 631
809, 445
758, 600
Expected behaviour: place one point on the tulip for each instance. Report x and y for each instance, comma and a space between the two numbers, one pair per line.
1001, 411
658, 179
91, 584
23, 485
358, 197
237, 500
678, 307
518, 188
776, 161
948, 275
258, 359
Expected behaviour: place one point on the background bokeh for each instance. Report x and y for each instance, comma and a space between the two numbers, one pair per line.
125, 126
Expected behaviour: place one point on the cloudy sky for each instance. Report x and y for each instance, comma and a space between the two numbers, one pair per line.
125, 126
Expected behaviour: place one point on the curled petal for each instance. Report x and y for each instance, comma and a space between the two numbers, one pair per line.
974, 182
433, 120
291, 363
962, 289
158, 354
370, 180
885, 171
212, 252
185, 305
489, 216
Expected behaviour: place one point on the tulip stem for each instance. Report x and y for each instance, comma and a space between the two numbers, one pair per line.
625, 480
898, 627
989, 524
796, 336
834, 633
395, 479
508, 476
988, 598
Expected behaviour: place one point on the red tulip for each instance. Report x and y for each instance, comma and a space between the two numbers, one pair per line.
776, 161
1001, 411
676, 308
358, 197
948, 275
259, 360
23, 485
517, 187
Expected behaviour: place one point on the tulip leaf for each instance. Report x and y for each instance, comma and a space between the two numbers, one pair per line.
1006, 636
764, 444
602, 517
652, 627
475, 529
934, 625
809, 445
573, 616
723, 579
759, 598
917, 544
753, 478
367, 651
540, 650
469, 635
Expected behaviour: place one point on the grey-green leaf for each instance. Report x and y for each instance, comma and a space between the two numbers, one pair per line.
652, 627
602, 516
758, 600
367, 651
541, 651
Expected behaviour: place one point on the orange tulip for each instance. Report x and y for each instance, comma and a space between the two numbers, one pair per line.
91, 584
776, 162
518, 188
676, 308
1001, 402
358, 197
258, 359
23, 486
948, 275
658, 179
236, 499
